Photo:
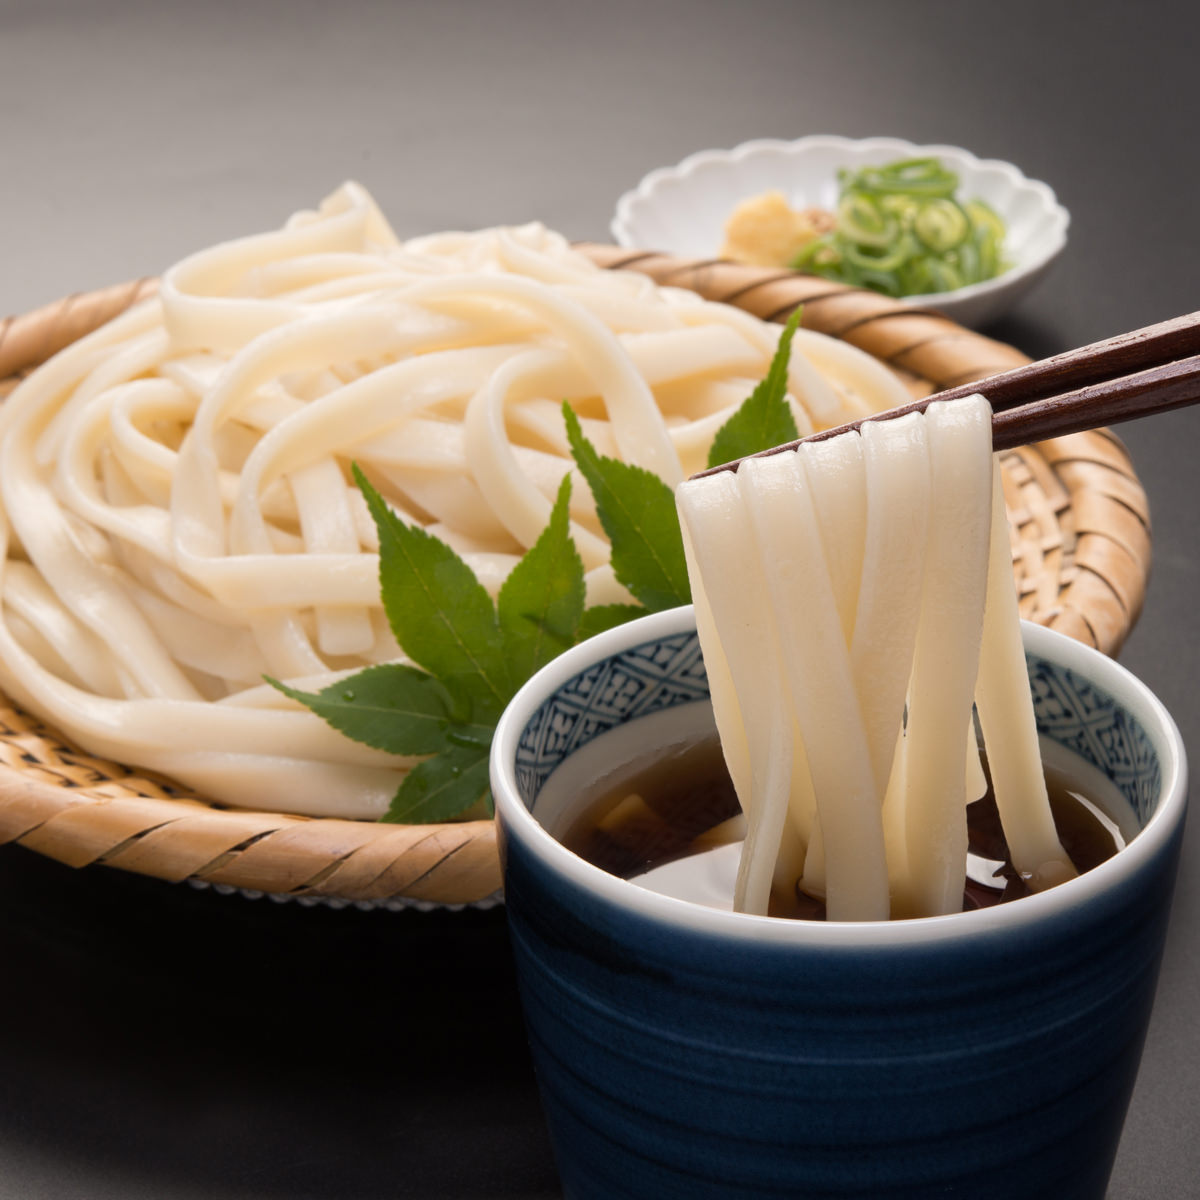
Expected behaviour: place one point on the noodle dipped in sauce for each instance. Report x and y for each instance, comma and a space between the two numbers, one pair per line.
673, 824
848, 625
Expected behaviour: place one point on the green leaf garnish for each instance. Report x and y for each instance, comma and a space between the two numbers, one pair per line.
442, 787
764, 419
637, 511
541, 602
441, 614
393, 707
476, 654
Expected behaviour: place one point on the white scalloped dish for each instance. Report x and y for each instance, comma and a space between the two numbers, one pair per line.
682, 209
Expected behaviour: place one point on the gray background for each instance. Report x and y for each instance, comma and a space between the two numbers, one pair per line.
162, 1042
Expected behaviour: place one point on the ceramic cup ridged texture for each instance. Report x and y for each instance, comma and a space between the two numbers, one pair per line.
688, 1052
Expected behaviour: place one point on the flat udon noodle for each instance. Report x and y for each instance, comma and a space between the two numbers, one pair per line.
840, 601
175, 498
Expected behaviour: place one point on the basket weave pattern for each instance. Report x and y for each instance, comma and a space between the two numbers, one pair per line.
1081, 554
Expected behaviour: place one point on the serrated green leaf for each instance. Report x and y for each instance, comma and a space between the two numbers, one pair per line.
637, 511
441, 614
764, 419
392, 707
541, 601
600, 617
441, 788
476, 653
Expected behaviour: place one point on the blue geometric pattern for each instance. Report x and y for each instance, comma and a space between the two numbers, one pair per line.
1070, 710
634, 683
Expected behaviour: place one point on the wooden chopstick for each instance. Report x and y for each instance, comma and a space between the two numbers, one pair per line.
1142, 394
1136, 374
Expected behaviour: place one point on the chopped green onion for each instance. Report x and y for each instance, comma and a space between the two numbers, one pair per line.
890, 260
983, 215
911, 177
970, 262
946, 276
941, 225
988, 244
862, 221
904, 207
900, 231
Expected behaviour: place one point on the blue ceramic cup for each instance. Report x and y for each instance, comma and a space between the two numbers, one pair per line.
684, 1051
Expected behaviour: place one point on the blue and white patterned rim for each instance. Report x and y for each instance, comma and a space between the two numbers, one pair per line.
639, 680
613, 691
1120, 728
1072, 711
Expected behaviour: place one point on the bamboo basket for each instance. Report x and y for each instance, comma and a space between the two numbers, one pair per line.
1081, 555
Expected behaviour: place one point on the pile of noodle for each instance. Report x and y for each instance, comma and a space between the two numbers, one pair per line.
854, 600
176, 504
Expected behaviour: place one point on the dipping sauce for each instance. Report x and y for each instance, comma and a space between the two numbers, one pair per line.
679, 805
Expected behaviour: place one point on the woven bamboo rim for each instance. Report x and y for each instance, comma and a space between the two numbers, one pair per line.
1081, 554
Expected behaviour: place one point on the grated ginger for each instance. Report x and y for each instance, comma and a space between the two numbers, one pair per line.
765, 231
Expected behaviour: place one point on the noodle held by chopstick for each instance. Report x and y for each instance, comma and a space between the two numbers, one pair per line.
864, 583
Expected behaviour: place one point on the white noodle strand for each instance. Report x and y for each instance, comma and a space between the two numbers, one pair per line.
177, 511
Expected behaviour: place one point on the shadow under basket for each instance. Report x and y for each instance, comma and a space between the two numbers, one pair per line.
1081, 556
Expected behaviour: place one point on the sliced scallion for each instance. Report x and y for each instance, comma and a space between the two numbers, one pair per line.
900, 231
941, 225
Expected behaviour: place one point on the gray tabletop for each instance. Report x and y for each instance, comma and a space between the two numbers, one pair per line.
157, 1041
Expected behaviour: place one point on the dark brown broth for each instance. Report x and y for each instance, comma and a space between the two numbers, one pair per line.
663, 811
